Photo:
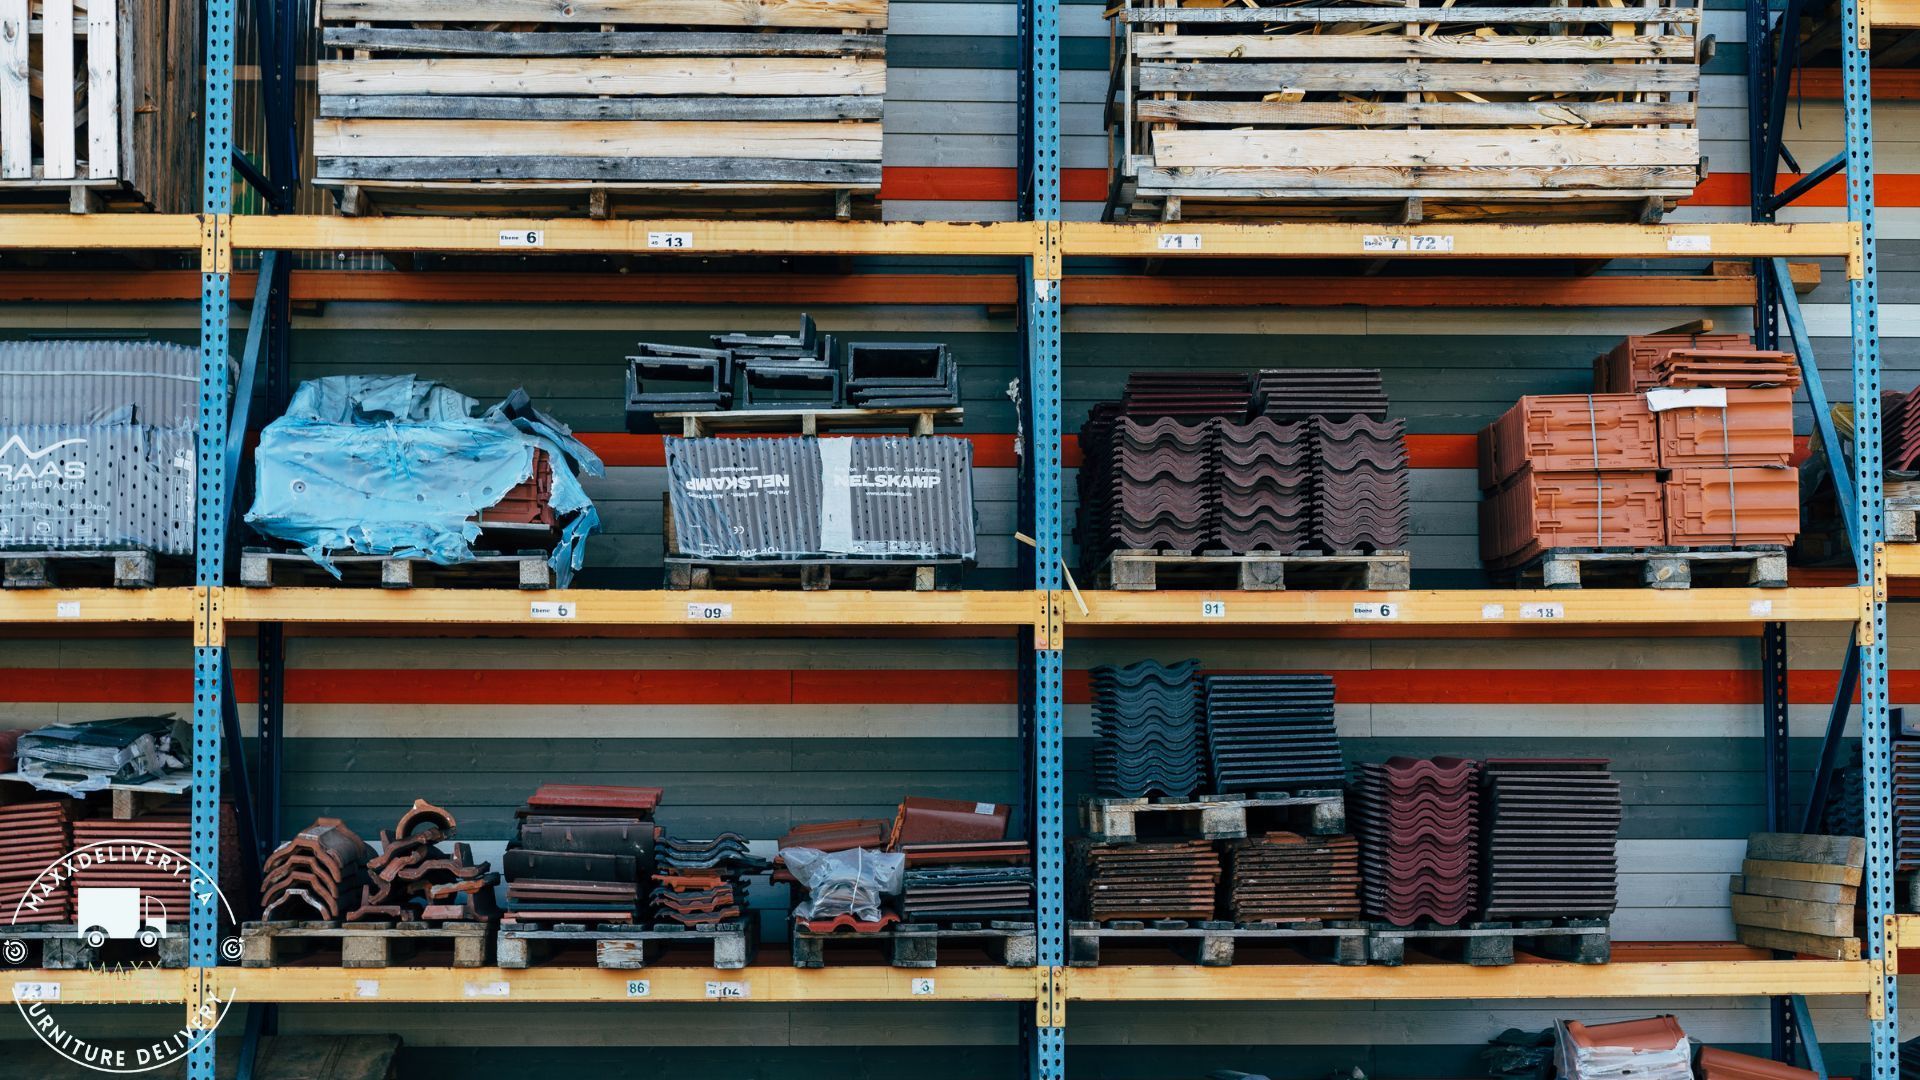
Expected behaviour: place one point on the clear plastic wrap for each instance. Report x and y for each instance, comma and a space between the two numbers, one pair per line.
851, 882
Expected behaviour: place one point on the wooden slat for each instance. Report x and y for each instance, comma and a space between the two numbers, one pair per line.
1800, 871
56, 101
438, 107
1808, 848
840, 141
1451, 180
614, 43
1426, 15
1389, 46
1455, 113
847, 14
1200, 77
16, 116
1789, 889
794, 77
1793, 916
1391, 149
846, 174
103, 91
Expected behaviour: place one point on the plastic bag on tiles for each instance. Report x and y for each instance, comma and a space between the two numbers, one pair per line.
848, 882
396, 465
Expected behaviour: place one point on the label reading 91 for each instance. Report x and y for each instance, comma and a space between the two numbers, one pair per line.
1213, 609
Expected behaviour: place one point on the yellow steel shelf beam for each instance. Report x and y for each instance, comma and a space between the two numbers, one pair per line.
131, 985
575, 984
616, 607
100, 231
522, 236
97, 605
1901, 560
1444, 241
1488, 607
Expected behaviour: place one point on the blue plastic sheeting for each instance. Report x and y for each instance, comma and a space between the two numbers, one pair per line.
397, 465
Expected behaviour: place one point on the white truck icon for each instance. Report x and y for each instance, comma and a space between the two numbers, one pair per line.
117, 914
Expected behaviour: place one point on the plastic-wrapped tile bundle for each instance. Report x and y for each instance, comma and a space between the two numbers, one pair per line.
97, 445
1549, 832
801, 496
1360, 484
1650, 1049
1159, 879
1272, 733
1146, 722
1285, 877
1263, 486
1418, 823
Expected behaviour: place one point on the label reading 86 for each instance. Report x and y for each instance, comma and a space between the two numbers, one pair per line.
639, 988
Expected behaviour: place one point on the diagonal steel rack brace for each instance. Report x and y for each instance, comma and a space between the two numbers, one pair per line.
1830, 443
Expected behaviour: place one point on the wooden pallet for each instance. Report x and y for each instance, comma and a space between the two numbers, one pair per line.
1492, 944
624, 948
917, 945
910, 421
132, 568
1146, 571
1216, 944
59, 947
812, 575
364, 944
1382, 112
761, 109
1655, 568
1900, 527
1214, 817
263, 569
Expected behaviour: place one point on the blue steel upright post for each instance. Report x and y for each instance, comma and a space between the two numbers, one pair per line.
210, 503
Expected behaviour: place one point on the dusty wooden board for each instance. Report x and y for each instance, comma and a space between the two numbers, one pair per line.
757, 76
1824, 873
681, 171
16, 115
1793, 916
1201, 77
1453, 181
852, 14
1425, 16
1388, 46
605, 43
1789, 889
1808, 848
1836, 948
836, 141
1467, 148
1478, 113
508, 107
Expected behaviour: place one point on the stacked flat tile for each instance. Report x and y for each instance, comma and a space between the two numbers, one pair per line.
1285, 877
968, 881
1629, 367
1263, 486
1333, 393
1418, 821
1549, 834
1147, 727
1162, 879
1272, 733
1191, 397
34, 836
1906, 805
1360, 483
581, 855
1751, 368
700, 882
1900, 430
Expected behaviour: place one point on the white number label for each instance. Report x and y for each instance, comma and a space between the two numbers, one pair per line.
709, 612
366, 988
549, 609
1493, 611
36, 991
1376, 611
1179, 241
672, 241
639, 988
1690, 242
729, 991
522, 238
1760, 608
1415, 242
922, 987
1543, 611
498, 989
1213, 609
67, 609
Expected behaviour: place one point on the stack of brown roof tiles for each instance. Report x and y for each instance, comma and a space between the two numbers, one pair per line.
700, 882
920, 820
1900, 428
1418, 820
1163, 879
1713, 507
1629, 368
1751, 368
34, 836
1754, 429
1263, 485
1718, 1064
1286, 877
1359, 484
1150, 489
1570, 470
412, 879
317, 875
833, 836
1651, 1049
1191, 397
1334, 393
1550, 828
581, 854
968, 881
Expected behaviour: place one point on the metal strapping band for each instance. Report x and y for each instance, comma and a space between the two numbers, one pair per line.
1599, 481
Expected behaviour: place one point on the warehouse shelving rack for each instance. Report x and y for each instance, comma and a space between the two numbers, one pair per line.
1041, 618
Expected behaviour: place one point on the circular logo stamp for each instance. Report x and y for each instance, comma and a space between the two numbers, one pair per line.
122, 920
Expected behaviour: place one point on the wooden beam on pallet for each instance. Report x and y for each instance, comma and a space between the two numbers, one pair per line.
838, 14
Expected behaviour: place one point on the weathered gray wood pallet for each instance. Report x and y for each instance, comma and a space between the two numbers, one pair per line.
1656, 568
47, 569
625, 948
264, 569
364, 944
1215, 944
917, 945
812, 575
1492, 944
1900, 527
1147, 571
60, 947
1214, 817
910, 421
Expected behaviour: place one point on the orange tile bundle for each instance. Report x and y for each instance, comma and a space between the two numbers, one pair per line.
1629, 368
1727, 367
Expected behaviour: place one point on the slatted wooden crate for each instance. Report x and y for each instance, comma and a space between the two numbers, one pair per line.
99, 104
1402, 113
602, 107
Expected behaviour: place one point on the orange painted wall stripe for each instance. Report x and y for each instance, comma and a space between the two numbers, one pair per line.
1730, 189
981, 184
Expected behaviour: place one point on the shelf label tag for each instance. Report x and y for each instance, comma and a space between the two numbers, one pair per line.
522, 238
553, 609
639, 988
1493, 611
497, 989
66, 609
1179, 241
922, 987
1543, 611
1414, 242
36, 991
1689, 242
1376, 611
1760, 608
1213, 609
366, 988
709, 612
729, 991
670, 241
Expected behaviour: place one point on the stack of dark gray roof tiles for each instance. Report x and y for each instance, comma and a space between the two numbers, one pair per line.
1272, 733
1338, 393
897, 375
676, 378
1551, 827
1360, 483
1418, 823
1147, 730
785, 369
1190, 397
1263, 482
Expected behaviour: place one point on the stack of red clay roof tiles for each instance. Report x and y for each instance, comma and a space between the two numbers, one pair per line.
1160, 879
34, 836
1359, 484
1684, 368
1630, 367
1263, 485
316, 875
582, 854
118, 864
1285, 877
1418, 824
1900, 427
